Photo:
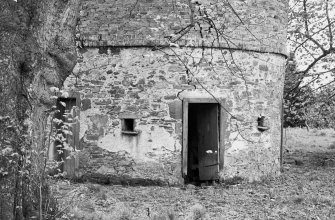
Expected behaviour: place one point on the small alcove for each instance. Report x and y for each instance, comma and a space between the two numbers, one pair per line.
128, 124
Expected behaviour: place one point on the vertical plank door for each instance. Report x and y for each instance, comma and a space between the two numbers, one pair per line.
208, 140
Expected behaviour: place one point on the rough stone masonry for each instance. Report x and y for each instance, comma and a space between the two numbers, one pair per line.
132, 84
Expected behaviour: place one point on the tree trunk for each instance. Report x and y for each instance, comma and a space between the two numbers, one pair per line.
37, 51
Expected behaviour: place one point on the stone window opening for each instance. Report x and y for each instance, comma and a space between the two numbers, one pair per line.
128, 125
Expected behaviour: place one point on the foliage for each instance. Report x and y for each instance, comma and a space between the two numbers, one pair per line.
310, 71
197, 212
16, 158
295, 104
14, 164
309, 107
321, 113
27, 169
311, 29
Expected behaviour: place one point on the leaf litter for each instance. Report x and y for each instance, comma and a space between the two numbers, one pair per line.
304, 190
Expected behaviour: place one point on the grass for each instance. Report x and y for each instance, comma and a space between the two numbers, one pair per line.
332, 146
301, 192
313, 140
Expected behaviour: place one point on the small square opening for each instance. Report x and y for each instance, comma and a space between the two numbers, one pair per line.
128, 126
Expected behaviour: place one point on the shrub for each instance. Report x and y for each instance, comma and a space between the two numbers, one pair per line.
298, 200
197, 212
322, 200
94, 187
234, 180
121, 212
332, 146
323, 134
169, 215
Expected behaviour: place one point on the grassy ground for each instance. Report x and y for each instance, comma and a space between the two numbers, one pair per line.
305, 190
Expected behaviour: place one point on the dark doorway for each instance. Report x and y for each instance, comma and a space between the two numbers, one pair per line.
203, 142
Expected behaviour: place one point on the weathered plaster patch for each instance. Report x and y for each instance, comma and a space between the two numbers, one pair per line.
146, 146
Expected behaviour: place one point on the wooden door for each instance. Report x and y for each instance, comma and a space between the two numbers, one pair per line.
208, 131
203, 141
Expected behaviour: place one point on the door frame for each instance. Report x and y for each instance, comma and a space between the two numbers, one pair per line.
222, 128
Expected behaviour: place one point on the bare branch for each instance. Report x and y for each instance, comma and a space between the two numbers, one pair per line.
314, 41
321, 29
301, 45
329, 27
324, 85
306, 17
312, 64
324, 72
242, 22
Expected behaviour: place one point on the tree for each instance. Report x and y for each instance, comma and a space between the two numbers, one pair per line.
295, 106
310, 35
321, 114
37, 52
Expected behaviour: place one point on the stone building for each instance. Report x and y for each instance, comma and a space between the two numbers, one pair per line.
174, 90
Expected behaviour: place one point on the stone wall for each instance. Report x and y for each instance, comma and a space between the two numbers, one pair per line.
151, 84
128, 66
260, 24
